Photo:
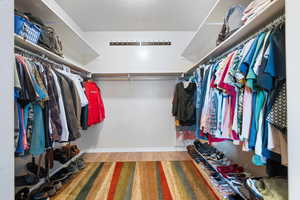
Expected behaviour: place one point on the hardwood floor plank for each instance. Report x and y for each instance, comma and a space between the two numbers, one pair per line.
136, 156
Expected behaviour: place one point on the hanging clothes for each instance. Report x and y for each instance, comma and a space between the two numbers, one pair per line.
70, 107
96, 112
184, 108
242, 97
49, 103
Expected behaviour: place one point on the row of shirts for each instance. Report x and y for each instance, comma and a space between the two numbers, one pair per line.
52, 105
242, 97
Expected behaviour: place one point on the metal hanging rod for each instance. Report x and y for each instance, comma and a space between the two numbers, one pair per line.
137, 76
45, 59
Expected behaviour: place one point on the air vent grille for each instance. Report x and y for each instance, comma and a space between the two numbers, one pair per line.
140, 43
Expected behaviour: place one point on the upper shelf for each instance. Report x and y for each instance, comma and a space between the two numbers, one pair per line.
19, 41
75, 46
204, 40
274, 10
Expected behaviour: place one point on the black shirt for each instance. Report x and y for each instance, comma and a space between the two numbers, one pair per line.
184, 108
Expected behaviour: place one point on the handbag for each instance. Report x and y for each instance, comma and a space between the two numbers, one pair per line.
50, 40
232, 22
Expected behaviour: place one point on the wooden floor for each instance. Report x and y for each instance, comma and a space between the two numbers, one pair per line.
136, 156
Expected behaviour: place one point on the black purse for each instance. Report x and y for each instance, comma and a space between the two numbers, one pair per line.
226, 30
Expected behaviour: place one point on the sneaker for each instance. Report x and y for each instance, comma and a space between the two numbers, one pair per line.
80, 163
39, 195
204, 148
251, 184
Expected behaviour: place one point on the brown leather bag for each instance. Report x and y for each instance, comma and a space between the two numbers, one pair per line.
50, 40
231, 23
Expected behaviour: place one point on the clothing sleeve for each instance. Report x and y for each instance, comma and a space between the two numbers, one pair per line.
175, 101
101, 105
244, 67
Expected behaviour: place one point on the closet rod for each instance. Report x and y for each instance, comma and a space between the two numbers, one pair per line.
276, 21
137, 76
44, 58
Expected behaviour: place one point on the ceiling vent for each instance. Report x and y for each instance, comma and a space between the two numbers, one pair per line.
140, 44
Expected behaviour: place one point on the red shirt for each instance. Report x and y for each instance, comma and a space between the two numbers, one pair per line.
96, 112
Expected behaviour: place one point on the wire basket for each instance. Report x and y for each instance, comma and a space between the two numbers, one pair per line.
27, 30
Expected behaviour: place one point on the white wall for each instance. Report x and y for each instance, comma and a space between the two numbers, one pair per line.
139, 59
6, 101
138, 112
293, 71
138, 117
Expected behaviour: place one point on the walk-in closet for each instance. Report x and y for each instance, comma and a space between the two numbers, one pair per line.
149, 100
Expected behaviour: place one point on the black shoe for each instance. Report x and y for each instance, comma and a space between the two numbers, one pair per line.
33, 168
29, 179
62, 174
23, 194
49, 189
204, 148
60, 156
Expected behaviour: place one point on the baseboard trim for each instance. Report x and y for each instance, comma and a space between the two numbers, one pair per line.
136, 149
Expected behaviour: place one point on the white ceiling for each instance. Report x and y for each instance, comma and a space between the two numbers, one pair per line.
137, 15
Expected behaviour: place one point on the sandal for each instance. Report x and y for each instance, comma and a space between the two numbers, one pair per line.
23, 194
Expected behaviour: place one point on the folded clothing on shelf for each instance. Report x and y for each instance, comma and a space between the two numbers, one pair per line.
254, 8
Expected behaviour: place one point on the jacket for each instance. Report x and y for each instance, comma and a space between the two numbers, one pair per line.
96, 112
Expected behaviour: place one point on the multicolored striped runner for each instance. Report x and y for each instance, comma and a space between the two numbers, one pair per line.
158, 180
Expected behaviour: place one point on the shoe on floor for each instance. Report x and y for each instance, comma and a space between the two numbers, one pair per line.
251, 185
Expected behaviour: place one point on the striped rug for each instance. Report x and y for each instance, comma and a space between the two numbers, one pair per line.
158, 180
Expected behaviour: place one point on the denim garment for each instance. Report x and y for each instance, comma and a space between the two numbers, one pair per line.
38, 134
20, 147
198, 102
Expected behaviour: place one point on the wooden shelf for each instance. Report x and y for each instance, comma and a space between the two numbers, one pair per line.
19, 41
75, 46
204, 40
274, 10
